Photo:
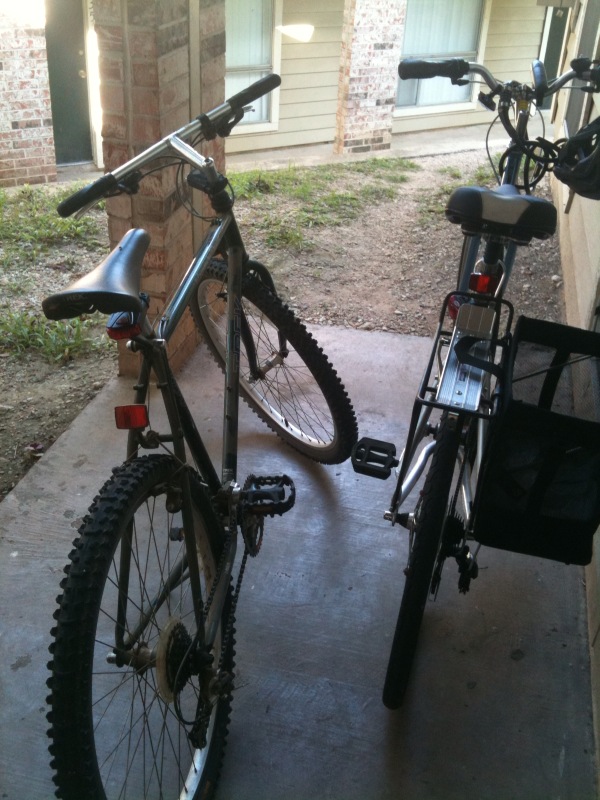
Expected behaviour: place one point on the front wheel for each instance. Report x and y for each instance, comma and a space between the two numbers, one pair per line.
138, 708
426, 534
295, 391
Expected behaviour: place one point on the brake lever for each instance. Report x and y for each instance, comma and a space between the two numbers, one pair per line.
487, 100
129, 185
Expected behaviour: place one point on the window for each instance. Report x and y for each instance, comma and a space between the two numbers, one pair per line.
250, 27
439, 29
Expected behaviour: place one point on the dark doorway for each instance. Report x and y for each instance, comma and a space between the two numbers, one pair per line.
68, 81
587, 43
554, 45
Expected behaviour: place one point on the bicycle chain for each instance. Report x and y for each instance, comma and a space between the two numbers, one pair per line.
197, 734
249, 521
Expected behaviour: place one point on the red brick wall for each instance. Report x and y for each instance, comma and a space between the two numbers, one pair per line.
26, 137
145, 92
371, 43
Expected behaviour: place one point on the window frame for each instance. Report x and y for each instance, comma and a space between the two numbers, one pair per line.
404, 112
273, 124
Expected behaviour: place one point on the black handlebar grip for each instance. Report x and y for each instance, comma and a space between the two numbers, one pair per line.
454, 68
89, 194
253, 92
540, 80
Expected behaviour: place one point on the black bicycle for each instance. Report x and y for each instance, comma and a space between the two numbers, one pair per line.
142, 668
504, 417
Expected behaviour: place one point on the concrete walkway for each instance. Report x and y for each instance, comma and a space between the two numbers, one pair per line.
499, 707
405, 145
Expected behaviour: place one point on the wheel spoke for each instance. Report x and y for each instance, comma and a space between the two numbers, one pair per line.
299, 395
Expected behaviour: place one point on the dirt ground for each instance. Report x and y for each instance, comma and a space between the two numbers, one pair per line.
390, 269
386, 270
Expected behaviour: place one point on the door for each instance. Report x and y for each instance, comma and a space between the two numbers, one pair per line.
68, 81
552, 45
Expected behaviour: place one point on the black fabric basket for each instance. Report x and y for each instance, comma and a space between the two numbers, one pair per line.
539, 486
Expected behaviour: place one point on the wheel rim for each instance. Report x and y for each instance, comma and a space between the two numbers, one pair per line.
288, 394
142, 748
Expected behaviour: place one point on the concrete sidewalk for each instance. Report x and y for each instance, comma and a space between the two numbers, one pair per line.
416, 145
500, 703
405, 145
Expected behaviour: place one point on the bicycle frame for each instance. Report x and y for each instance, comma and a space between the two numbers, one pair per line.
224, 238
152, 344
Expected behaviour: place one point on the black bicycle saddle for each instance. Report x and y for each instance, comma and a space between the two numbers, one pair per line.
502, 211
114, 285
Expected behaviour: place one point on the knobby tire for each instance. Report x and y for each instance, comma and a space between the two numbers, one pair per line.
115, 731
301, 398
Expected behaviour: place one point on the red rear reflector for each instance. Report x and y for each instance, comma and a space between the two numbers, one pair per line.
483, 284
126, 332
124, 325
133, 417
454, 304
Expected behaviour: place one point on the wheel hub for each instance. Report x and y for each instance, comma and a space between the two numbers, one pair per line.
173, 662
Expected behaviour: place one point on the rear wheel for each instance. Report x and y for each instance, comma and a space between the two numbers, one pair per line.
296, 392
427, 527
137, 709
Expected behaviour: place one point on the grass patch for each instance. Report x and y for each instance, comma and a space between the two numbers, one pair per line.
23, 332
453, 173
432, 204
30, 224
328, 195
484, 175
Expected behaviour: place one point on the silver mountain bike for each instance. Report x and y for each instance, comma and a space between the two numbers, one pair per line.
142, 667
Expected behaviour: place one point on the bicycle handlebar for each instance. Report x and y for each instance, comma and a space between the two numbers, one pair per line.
87, 196
540, 80
454, 68
253, 92
457, 68
111, 181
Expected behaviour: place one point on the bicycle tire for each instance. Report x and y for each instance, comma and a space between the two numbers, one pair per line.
115, 730
430, 517
301, 398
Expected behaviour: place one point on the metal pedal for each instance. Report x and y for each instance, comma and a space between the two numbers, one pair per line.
268, 495
374, 458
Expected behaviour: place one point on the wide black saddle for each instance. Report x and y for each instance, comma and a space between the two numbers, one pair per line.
503, 212
112, 286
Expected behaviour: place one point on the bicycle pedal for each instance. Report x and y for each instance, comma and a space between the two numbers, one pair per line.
374, 458
268, 495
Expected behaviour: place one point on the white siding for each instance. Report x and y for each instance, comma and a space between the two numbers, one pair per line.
309, 80
514, 38
512, 34
580, 254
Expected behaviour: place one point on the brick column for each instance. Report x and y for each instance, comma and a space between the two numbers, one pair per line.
371, 41
145, 90
26, 135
